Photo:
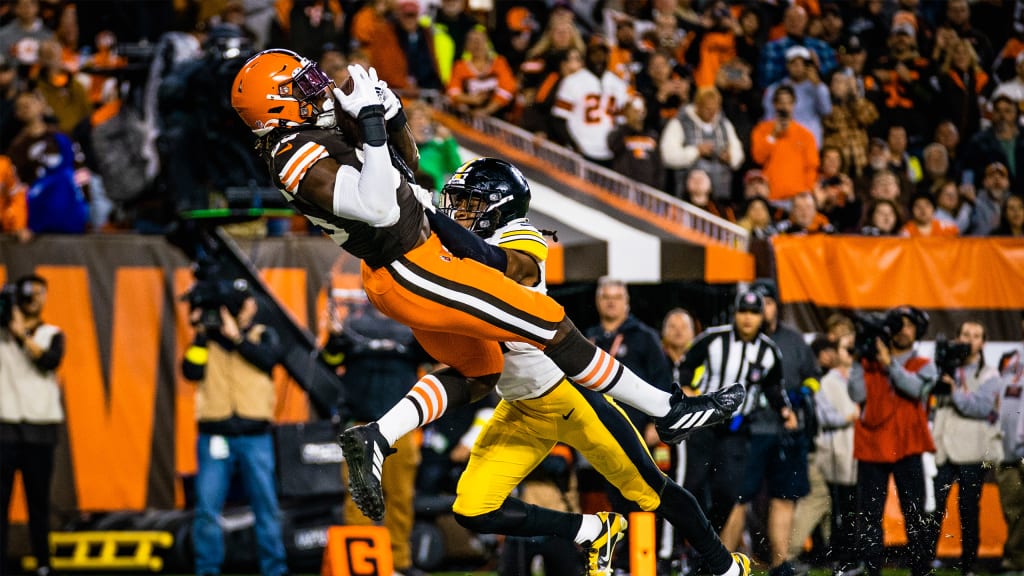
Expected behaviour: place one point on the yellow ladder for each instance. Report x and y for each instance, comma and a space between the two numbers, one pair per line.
104, 550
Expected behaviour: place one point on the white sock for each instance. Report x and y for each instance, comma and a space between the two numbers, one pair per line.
590, 529
733, 570
607, 375
426, 402
641, 395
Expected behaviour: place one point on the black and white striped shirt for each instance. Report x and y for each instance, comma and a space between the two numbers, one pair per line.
719, 357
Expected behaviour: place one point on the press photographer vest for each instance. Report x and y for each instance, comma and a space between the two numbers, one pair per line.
892, 425
232, 386
28, 395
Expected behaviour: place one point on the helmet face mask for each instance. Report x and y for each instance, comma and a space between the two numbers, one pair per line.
488, 193
477, 207
280, 89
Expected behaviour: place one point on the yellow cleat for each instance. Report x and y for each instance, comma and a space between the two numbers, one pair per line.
599, 551
744, 563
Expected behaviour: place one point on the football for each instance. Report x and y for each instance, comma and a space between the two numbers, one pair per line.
347, 86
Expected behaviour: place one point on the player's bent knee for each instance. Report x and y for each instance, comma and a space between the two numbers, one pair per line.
481, 386
481, 523
507, 519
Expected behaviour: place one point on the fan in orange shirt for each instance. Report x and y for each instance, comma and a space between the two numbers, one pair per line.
13, 205
787, 151
923, 221
482, 80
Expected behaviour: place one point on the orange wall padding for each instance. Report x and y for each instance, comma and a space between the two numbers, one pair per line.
935, 273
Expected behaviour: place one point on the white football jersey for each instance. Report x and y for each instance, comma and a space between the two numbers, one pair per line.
590, 107
528, 373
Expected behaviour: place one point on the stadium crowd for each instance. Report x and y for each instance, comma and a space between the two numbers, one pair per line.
871, 117
881, 118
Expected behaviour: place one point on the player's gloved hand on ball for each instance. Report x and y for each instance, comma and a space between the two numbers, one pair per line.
364, 94
392, 103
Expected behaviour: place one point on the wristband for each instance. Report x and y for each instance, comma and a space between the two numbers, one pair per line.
397, 122
371, 119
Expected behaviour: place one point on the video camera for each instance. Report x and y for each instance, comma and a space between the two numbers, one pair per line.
949, 355
870, 326
211, 292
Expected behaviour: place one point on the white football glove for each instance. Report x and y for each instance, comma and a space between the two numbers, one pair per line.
426, 197
364, 91
392, 103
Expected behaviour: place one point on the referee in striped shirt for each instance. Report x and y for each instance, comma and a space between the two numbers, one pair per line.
717, 456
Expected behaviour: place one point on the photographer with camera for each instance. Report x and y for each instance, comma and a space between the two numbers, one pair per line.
231, 359
892, 383
30, 410
966, 433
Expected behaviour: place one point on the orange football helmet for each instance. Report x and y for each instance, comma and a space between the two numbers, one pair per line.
280, 89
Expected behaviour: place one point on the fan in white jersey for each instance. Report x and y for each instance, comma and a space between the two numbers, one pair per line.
588, 104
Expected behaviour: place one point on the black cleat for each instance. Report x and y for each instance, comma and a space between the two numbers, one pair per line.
688, 413
365, 449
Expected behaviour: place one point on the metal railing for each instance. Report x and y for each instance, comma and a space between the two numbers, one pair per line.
673, 209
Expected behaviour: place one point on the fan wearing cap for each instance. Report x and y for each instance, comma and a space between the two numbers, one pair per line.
989, 200
773, 58
813, 101
515, 33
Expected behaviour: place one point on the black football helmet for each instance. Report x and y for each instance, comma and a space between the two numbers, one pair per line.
491, 191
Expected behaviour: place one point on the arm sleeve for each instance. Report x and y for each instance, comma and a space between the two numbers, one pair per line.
824, 103
675, 154
264, 354
507, 84
914, 384
828, 416
736, 156
811, 161
465, 244
371, 194
51, 357
978, 403
760, 147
